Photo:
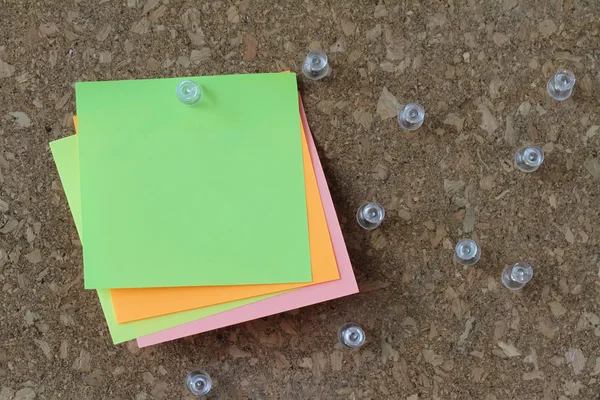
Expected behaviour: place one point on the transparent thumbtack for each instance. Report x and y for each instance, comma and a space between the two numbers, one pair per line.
560, 86
189, 92
528, 159
467, 252
351, 335
411, 116
370, 215
199, 383
516, 276
315, 65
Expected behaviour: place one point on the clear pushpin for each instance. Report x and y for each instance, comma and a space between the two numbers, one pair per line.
560, 86
351, 335
467, 252
199, 383
528, 159
411, 116
516, 276
315, 65
189, 92
370, 215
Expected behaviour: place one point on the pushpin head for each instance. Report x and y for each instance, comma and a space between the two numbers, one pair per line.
514, 277
467, 252
315, 65
528, 159
351, 335
411, 117
199, 383
560, 86
370, 215
189, 92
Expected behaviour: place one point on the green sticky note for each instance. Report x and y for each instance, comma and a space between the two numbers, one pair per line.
67, 162
203, 195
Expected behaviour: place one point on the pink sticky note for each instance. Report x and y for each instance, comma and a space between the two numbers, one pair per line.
298, 298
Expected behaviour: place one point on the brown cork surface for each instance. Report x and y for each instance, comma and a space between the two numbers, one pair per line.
435, 330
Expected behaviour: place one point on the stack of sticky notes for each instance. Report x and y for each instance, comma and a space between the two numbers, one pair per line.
197, 217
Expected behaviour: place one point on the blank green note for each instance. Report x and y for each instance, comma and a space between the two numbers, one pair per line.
211, 194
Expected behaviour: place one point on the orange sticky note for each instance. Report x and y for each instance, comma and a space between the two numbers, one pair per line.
135, 304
